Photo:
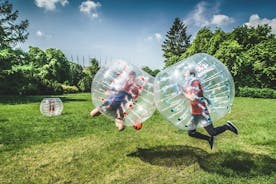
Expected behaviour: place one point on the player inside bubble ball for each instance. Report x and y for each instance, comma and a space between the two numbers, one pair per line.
200, 115
120, 101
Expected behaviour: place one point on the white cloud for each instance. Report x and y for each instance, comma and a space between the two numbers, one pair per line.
255, 20
198, 16
206, 14
149, 38
156, 36
90, 8
43, 35
39, 33
220, 20
64, 2
50, 5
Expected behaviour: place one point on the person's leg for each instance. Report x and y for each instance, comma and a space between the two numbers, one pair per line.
232, 127
120, 124
215, 131
195, 134
198, 135
95, 112
192, 128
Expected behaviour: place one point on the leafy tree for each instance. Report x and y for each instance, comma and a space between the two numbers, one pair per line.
176, 43
11, 31
218, 37
200, 43
37, 56
94, 67
57, 67
150, 71
76, 73
229, 53
263, 59
88, 75
248, 37
16, 73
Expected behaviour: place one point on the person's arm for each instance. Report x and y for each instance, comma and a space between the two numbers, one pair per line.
194, 92
189, 96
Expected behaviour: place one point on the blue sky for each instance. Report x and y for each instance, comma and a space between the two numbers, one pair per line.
132, 30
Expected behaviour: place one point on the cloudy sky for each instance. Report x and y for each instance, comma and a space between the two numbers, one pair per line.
132, 30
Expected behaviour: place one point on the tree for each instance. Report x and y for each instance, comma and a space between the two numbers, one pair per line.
57, 67
11, 31
263, 63
150, 71
94, 67
248, 37
88, 75
37, 56
16, 73
76, 73
176, 43
200, 43
218, 37
229, 53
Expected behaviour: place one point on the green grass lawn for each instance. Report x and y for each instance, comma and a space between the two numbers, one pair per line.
73, 148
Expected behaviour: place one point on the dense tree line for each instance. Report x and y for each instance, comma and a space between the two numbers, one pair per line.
42, 72
36, 71
248, 52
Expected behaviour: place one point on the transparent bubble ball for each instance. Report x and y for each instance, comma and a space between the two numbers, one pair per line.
122, 90
51, 106
217, 85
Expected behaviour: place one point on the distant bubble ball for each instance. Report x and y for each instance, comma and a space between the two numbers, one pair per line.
216, 81
51, 106
121, 90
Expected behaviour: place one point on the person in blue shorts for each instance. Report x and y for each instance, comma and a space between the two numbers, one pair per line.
116, 102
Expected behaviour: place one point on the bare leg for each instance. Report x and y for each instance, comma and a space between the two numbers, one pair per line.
120, 124
95, 112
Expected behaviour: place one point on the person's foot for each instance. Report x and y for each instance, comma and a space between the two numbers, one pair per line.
120, 124
121, 128
232, 127
95, 112
137, 126
211, 142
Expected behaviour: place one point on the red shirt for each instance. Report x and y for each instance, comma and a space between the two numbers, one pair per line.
198, 106
133, 89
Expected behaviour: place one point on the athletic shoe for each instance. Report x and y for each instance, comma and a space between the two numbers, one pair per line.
232, 127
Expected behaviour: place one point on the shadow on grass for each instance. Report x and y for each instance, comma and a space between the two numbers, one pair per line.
170, 156
2, 120
235, 163
13, 100
239, 163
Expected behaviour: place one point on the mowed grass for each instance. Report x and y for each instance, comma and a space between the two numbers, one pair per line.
73, 148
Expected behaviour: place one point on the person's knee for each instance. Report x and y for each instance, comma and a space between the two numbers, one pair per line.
95, 112
191, 133
211, 131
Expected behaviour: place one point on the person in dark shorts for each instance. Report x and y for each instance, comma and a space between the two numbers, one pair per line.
116, 102
200, 114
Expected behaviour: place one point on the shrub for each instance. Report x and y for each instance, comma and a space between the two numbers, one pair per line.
85, 83
69, 89
257, 92
47, 87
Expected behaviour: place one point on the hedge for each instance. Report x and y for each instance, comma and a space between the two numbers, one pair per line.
256, 92
69, 89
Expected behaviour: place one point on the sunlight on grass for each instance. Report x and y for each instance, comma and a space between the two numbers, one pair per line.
73, 148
